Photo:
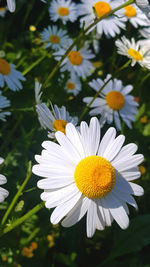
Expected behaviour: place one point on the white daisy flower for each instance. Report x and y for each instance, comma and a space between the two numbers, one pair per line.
54, 37
3, 192
109, 26
9, 75
134, 15
77, 62
114, 102
84, 175
4, 103
73, 85
134, 51
2, 11
144, 5
54, 120
11, 5
65, 10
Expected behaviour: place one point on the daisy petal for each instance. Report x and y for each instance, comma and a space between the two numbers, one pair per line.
76, 214
63, 209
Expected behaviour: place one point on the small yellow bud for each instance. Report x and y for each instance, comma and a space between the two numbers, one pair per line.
142, 169
143, 119
32, 28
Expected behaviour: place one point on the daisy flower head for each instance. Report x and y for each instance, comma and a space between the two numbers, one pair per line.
55, 119
135, 16
84, 175
77, 62
109, 26
54, 37
11, 76
134, 51
3, 192
4, 103
114, 102
2, 11
65, 10
144, 5
73, 85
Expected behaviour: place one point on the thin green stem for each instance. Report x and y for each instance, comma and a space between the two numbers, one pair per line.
83, 32
28, 175
144, 79
22, 219
33, 234
10, 134
33, 65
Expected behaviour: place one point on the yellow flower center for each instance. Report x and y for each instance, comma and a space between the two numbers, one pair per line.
70, 85
54, 39
60, 125
94, 176
102, 8
115, 100
63, 11
75, 57
130, 11
135, 54
4, 67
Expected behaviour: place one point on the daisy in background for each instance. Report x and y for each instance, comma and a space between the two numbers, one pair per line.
55, 119
4, 103
3, 192
65, 10
73, 85
11, 76
114, 102
134, 51
109, 26
54, 37
84, 175
134, 15
77, 62
144, 5
3, 11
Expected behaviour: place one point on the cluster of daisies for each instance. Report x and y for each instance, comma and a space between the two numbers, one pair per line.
84, 173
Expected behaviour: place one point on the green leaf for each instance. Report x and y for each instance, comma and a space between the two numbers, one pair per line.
140, 112
146, 131
133, 239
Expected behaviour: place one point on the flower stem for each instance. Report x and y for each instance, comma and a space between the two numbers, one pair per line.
22, 219
83, 32
33, 65
28, 175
